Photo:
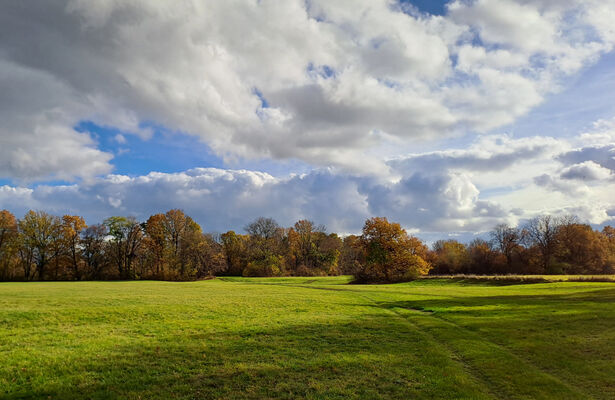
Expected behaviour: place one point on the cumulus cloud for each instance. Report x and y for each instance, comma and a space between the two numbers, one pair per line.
489, 153
497, 178
447, 202
602, 155
319, 81
579, 178
586, 171
227, 199
345, 87
36, 136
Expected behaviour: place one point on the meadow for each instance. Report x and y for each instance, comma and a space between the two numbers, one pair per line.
316, 338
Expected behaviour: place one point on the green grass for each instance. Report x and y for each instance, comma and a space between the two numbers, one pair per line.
527, 278
312, 338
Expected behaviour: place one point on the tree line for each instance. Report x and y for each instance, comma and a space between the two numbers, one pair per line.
172, 246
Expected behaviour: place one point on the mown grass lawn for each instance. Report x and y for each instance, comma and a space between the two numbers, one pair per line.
313, 338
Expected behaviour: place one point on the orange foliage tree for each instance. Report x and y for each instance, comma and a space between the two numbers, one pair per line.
391, 255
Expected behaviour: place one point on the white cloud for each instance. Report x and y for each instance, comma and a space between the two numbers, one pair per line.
587, 171
498, 178
228, 199
120, 138
347, 87
36, 136
338, 77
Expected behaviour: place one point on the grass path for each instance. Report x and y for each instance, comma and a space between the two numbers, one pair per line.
503, 374
314, 338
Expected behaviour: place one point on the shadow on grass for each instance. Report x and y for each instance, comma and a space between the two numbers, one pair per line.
374, 357
581, 301
379, 354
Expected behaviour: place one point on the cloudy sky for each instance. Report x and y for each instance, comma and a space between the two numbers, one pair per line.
449, 117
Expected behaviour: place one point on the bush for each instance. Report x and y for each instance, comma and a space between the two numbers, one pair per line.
270, 266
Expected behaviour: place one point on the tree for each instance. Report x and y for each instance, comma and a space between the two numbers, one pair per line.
264, 252
352, 255
40, 232
483, 259
608, 233
581, 249
391, 255
305, 233
450, 257
328, 250
207, 256
8, 241
541, 232
234, 249
271, 265
126, 240
263, 228
93, 250
311, 250
72, 226
156, 243
506, 239
182, 232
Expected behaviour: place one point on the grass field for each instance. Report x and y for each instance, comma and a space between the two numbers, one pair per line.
307, 338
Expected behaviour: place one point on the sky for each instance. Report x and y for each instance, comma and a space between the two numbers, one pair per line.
448, 117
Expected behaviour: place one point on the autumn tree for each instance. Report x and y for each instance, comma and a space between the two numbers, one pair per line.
126, 240
182, 232
352, 255
507, 241
39, 233
156, 243
207, 256
311, 250
328, 250
306, 232
264, 248
541, 232
391, 255
483, 259
608, 233
93, 250
8, 242
581, 250
72, 226
263, 228
234, 248
450, 257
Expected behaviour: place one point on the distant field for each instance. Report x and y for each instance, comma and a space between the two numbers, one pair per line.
312, 338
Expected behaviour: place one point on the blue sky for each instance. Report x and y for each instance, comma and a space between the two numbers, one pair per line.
434, 7
584, 99
164, 151
449, 120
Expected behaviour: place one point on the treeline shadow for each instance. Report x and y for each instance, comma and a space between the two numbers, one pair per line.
372, 357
